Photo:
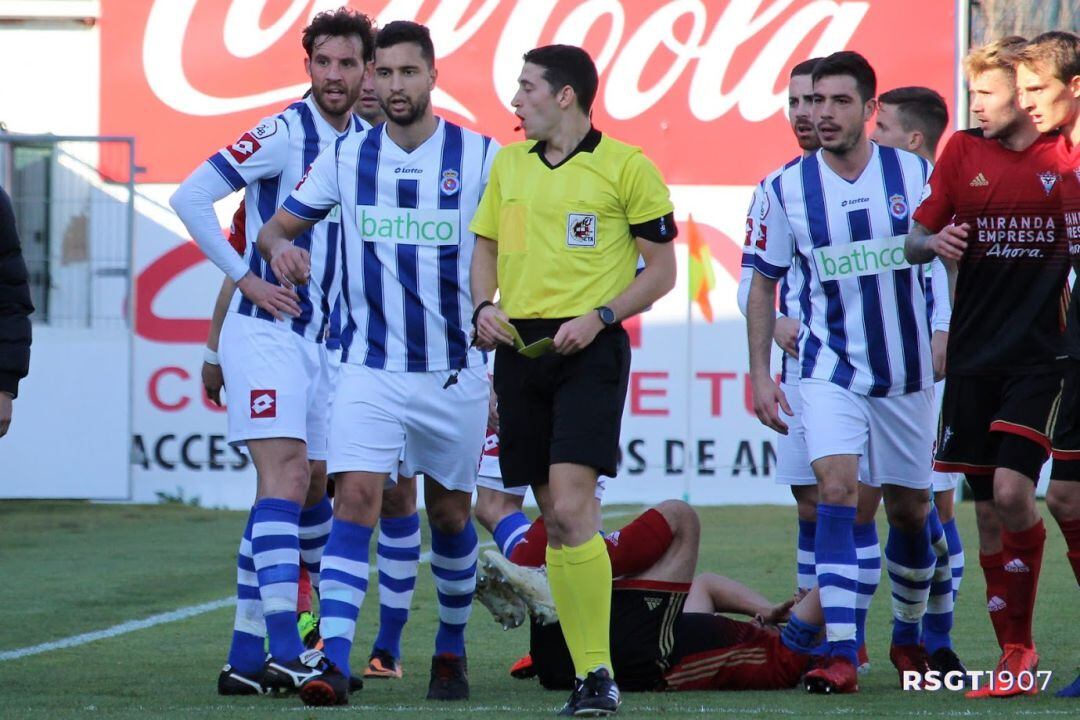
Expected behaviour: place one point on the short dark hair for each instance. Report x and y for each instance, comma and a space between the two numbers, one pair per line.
406, 31
568, 65
919, 108
806, 67
340, 23
852, 64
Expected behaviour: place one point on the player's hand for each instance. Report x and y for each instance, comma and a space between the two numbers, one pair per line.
938, 342
767, 396
493, 412
274, 299
951, 242
776, 614
213, 380
576, 335
786, 335
489, 330
5, 412
291, 265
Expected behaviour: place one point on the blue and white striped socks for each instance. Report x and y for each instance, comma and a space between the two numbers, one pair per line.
805, 575
315, 524
397, 558
910, 560
344, 583
453, 563
837, 575
868, 551
956, 553
249, 628
938, 622
275, 548
509, 531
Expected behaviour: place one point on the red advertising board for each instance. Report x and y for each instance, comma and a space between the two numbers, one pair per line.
698, 83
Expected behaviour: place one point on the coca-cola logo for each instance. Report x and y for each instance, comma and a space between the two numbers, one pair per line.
672, 71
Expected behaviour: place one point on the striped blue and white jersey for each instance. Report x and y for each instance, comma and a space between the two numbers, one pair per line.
267, 162
863, 307
406, 248
792, 282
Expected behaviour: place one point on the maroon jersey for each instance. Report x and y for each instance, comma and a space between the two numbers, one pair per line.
1069, 167
736, 655
1011, 289
238, 229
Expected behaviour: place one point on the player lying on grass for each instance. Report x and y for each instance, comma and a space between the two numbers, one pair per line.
666, 630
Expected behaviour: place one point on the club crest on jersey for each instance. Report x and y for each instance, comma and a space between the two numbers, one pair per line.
898, 206
581, 230
263, 404
244, 148
1049, 180
450, 183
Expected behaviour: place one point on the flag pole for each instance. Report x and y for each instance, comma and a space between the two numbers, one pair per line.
688, 466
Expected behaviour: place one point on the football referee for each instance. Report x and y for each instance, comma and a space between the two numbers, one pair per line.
559, 230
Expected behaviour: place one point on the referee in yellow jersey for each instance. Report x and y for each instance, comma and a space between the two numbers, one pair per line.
559, 230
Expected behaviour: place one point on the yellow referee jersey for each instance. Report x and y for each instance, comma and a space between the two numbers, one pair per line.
564, 231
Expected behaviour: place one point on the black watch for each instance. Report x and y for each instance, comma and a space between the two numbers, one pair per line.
607, 315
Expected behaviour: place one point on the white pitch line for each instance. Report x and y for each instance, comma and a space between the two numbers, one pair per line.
180, 614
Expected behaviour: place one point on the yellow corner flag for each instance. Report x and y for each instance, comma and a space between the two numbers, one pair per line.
702, 279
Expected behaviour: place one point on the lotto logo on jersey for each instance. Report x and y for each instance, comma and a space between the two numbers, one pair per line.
581, 230
263, 404
244, 148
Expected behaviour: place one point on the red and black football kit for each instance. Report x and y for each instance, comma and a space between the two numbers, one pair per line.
1066, 446
657, 646
1003, 377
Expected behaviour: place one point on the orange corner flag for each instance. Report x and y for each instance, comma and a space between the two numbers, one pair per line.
702, 279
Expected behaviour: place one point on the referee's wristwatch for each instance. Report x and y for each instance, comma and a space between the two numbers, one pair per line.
607, 315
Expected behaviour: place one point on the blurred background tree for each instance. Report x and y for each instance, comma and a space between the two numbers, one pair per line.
991, 19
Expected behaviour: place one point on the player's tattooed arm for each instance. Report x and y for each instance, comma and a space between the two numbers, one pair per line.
922, 246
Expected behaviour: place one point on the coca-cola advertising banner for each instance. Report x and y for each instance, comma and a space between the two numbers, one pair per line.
700, 84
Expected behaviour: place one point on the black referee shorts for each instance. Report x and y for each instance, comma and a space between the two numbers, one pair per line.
1066, 445
560, 408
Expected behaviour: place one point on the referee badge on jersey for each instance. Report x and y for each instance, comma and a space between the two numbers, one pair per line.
450, 183
898, 206
581, 230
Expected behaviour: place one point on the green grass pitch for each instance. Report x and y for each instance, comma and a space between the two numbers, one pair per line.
72, 568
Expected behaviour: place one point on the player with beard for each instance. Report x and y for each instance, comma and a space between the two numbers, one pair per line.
792, 463
272, 356
866, 375
409, 383
992, 213
1048, 80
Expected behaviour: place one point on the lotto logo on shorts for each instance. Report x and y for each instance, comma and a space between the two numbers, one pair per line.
263, 404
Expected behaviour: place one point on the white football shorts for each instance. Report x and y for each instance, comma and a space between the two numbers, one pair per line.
277, 384
895, 434
381, 417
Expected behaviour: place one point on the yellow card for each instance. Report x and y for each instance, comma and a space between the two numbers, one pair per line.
508, 327
538, 348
